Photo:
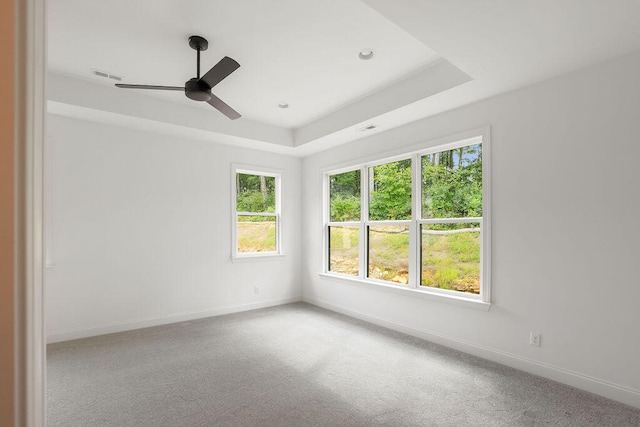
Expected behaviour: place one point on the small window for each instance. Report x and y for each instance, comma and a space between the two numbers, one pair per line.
256, 203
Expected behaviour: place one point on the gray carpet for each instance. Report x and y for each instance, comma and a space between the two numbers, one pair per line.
299, 365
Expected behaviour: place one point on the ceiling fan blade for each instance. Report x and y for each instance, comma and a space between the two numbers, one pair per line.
125, 86
220, 105
220, 71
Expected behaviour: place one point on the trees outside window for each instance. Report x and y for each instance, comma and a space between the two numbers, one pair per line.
416, 222
451, 220
256, 213
344, 227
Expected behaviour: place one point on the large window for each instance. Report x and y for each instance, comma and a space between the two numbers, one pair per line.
416, 221
256, 203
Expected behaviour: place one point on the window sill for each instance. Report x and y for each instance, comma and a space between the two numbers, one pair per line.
257, 257
431, 296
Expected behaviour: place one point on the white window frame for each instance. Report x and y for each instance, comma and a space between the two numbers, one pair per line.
413, 287
268, 172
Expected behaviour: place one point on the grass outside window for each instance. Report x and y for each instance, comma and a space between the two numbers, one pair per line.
417, 220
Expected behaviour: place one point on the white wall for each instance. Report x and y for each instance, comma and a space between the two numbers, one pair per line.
566, 240
140, 230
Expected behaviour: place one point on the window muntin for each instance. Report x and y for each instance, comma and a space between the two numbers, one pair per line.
257, 213
441, 246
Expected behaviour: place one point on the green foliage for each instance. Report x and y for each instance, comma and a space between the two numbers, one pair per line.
446, 276
345, 208
452, 261
451, 188
343, 238
255, 193
255, 202
465, 247
345, 184
344, 189
254, 236
390, 196
389, 253
343, 250
452, 183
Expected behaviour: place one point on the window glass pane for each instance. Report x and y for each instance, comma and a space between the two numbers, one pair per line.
256, 233
452, 183
389, 253
451, 256
255, 193
343, 250
344, 190
390, 191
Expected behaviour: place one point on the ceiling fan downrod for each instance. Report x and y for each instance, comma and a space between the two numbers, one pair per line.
198, 44
199, 88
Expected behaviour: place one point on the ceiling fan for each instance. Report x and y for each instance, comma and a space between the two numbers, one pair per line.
199, 88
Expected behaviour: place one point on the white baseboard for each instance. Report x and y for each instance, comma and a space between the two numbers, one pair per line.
129, 325
575, 379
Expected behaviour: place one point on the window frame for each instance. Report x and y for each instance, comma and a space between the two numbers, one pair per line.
413, 286
259, 171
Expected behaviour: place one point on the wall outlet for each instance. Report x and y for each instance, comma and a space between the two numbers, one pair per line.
256, 290
534, 339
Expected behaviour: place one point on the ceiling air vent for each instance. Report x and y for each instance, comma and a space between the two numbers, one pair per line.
106, 75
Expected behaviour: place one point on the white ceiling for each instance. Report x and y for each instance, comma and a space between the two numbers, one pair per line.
303, 52
431, 56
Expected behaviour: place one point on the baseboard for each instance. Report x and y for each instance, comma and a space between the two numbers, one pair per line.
109, 328
603, 388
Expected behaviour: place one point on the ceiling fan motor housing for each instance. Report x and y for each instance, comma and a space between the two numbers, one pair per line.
199, 87
197, 90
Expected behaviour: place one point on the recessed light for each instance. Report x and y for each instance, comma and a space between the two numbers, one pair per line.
283, 105
365, 54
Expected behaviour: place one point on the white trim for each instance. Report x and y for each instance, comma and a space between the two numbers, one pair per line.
415, 255
48, 199
363, 238
478, 139
423, 147
485, 233
344, 224
384, 222
407, 155
463, 139
237, 168
440, 295
258, 256
603, 388
252, 170
256, 213
146, 322
30, 114
450, 220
